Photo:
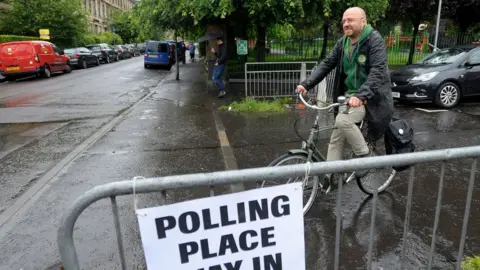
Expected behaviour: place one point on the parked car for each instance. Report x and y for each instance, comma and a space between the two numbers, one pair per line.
133, 48
107, 52
443, 77
82, 57
26, 58
181, 50
123, 52
141, 47
158, 53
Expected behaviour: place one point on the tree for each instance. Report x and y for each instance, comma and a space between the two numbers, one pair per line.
66, 19
122, 23
413, 11
182, 15
463, 12
327, 11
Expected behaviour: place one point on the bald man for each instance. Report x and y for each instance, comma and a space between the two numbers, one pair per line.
362, 75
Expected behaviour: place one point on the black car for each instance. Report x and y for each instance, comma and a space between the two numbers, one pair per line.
107, 52
443, 77
181, 50
82, 57
141, 47
123, 52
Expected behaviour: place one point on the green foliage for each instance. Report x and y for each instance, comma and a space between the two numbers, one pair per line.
471, 263
9, 38
252, 105
66, 19
110, 38
278, 31
88, 39
123, 24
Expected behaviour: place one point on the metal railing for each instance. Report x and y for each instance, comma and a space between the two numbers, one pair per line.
65, 238
279, 79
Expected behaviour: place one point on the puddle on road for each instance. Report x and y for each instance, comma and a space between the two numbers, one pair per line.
20, 100
13, 136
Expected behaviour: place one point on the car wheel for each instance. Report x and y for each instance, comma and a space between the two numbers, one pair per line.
448, 95
146, 66
46, 72
84, 64
67, 69
98, 62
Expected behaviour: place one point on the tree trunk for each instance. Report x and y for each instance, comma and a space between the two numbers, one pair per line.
231, 47
412, 44
325, 40
261, 36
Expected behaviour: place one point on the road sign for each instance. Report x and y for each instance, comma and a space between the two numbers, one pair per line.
255, 229
242, 48
44, 33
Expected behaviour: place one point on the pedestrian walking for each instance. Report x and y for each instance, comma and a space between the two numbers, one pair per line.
220, 65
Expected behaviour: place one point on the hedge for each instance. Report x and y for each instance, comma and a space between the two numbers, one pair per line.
9, 38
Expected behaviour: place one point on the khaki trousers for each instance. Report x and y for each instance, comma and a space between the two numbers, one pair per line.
349, 131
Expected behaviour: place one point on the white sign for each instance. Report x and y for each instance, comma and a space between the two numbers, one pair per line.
260, 229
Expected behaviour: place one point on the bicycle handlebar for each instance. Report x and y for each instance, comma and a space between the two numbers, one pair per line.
342, 100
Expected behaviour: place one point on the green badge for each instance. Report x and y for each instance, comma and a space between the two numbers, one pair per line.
362, 58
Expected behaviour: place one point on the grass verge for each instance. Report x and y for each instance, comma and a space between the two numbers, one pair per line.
471, 263
253, 105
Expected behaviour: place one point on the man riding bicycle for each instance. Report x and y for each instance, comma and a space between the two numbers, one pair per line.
362, 76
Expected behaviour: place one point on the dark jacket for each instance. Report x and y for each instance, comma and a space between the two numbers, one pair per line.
377, 88
221, 54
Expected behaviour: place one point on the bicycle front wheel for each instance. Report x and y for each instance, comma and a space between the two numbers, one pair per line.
310, 184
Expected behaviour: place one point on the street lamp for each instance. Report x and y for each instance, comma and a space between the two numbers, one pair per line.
438, 25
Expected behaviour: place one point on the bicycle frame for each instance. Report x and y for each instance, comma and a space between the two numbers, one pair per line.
309, 145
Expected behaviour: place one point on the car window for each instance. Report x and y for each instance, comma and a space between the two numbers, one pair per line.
70, 51
163, 47
447, 56
475, 58
153, 46
56, 49
17, 50
94, 48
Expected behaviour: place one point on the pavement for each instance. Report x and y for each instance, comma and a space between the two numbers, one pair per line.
66, 135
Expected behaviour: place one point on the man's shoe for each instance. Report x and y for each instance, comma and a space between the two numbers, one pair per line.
362, 173
325, 183
221, 94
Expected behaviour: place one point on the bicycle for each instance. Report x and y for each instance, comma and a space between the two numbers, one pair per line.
309, 153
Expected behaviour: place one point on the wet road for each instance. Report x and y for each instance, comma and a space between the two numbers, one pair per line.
174, 132
41, 121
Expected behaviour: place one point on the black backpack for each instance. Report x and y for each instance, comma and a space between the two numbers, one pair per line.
399, 140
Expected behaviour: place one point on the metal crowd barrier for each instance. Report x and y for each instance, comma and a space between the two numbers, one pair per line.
65, 239
279, 79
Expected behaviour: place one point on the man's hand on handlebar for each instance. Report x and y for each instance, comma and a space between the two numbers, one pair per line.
354, 102
301, 90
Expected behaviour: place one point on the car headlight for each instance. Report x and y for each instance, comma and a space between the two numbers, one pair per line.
425, 77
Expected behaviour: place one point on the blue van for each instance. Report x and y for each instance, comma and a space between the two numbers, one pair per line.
158, 53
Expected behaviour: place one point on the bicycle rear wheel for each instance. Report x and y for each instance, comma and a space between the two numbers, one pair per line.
310, 185
380, 178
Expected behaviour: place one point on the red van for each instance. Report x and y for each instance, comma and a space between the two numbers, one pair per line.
25, 58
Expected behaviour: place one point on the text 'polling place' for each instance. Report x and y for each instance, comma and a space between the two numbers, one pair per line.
260, 229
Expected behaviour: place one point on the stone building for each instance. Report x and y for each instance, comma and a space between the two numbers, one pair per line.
101, 10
